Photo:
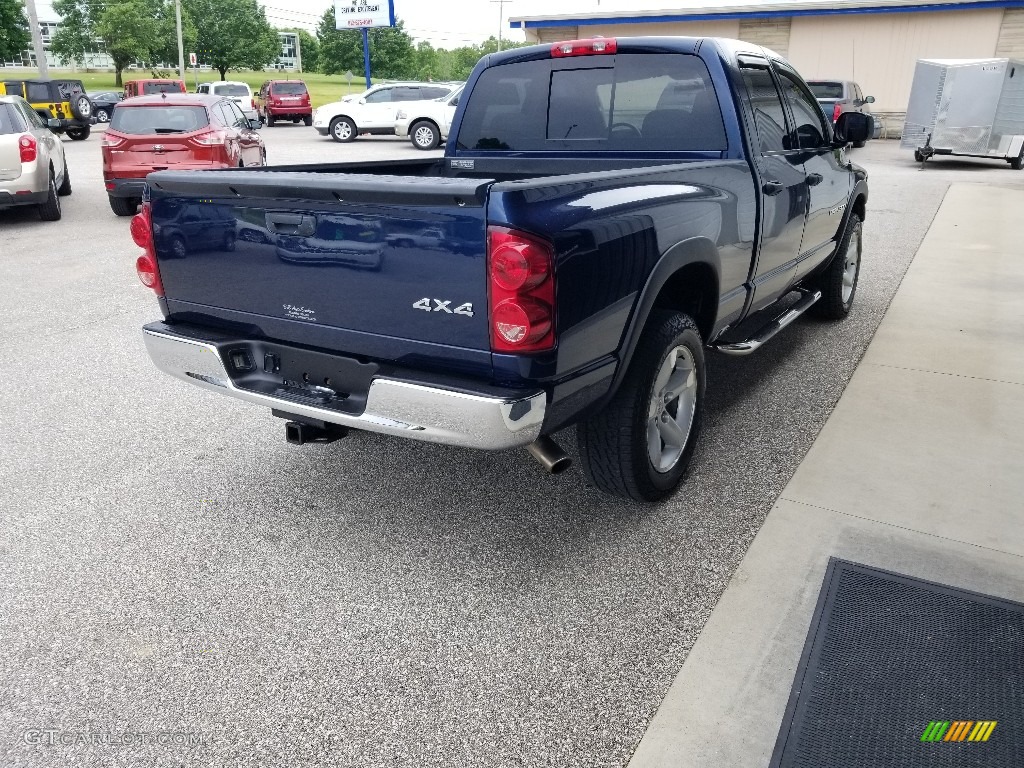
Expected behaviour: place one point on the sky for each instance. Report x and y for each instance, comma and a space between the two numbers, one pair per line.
456, 23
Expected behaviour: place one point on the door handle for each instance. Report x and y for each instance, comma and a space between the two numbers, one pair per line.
773, 187
290, 224
814, 179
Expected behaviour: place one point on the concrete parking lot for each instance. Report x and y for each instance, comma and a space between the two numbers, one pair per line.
169, 565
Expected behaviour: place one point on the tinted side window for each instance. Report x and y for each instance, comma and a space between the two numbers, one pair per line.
32, 118
807, 115
11, 120
379, 97
37, 93
240, 120
766, 104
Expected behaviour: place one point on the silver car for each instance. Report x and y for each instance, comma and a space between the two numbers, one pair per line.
838, 96
32, 166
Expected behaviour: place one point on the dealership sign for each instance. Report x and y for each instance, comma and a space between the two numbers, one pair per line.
361, 14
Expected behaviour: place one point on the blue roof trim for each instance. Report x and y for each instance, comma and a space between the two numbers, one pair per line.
755, 14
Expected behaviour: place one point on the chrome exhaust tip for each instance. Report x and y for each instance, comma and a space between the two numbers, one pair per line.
550, 455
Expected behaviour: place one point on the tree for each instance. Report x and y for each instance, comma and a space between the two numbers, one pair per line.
14, 32
76, 34
391, 51
166, 49
234, 34
130, 32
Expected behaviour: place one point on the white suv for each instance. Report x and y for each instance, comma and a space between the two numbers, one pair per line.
374, 110
426, 123
237, 91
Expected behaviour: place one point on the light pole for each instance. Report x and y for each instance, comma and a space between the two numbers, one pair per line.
501, 17
181, 46
37, 38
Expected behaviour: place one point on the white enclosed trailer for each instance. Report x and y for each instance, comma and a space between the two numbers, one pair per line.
967, 107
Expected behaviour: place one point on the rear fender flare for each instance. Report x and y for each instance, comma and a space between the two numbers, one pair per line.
697, 250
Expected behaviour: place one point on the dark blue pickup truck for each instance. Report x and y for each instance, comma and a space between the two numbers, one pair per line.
605, 210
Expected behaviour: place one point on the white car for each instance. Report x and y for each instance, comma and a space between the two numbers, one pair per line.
237, 91
426, 123
374, 111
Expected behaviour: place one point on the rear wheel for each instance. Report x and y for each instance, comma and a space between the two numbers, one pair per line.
425, 135
79, 134
1018, 162
838, 283
50, 210
124, 206
343, 129
65, 186
640, 445
270, 120
307, 120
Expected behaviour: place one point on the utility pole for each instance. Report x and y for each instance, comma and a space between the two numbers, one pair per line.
298, 53
501, 17
37, 38
181, 46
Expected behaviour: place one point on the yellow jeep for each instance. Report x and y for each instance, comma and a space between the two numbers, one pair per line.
62, 100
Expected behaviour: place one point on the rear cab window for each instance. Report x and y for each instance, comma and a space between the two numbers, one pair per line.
823, 90
631, 102
231, 89
140, 121
150, 88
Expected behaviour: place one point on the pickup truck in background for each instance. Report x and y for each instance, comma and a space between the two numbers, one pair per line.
605, 211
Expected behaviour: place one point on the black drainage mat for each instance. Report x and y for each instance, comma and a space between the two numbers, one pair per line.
902, 672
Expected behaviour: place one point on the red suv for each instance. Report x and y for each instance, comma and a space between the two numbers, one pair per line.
176, 131
284, 100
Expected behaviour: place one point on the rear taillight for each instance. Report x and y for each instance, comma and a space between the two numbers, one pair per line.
588, 47
142, 233
28, 148
209, 139
252, 103
837, 110
111, 141
521, 295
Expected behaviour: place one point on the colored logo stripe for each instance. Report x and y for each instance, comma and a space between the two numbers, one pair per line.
959, 730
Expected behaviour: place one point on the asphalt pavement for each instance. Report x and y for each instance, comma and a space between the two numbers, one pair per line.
179, 586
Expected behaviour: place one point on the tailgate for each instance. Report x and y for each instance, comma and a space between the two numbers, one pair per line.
384, 266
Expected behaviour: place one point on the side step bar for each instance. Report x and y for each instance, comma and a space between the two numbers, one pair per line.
764, 334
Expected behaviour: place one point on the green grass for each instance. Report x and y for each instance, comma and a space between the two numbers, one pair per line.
322, 88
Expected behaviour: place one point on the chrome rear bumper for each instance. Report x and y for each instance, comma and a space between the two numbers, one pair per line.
414, 411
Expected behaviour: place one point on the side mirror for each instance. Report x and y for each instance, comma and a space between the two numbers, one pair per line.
255, 124
53, 124
854, 127
869, 99
362, 101
455, 101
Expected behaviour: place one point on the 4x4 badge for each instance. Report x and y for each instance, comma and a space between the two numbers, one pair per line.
443, 306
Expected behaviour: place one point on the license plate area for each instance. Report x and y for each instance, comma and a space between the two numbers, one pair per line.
299, 375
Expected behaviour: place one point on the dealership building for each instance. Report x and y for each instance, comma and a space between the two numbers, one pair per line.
873, 42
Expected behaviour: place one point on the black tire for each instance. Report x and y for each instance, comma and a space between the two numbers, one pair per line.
124, 206
177, 248
81, 107
229, 241
50, 210
424, 135
65, 186
307, 120
102, 115
343, 130
918, 156
270, 120
1018, 162
614, 446
859, 144
79, 134
838, 285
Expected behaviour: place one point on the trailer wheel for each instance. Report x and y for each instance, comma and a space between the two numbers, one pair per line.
918, 156
1018, 162
640, 445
